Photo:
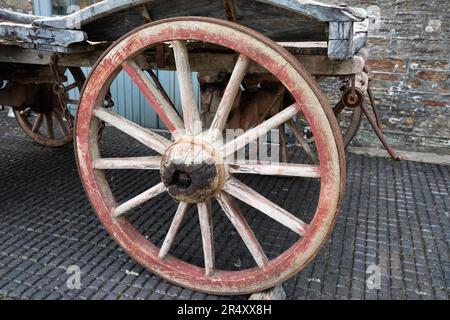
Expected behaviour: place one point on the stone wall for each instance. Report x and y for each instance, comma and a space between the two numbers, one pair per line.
409, 57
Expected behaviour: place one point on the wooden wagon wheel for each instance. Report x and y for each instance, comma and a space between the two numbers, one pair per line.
178, 165
50, 128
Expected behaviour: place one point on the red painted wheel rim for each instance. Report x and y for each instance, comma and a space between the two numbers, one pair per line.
266, 53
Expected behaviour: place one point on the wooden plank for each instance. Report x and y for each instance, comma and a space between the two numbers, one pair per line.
320, 11
301, 19
200, 62
9, 15
88, 14
27, 73
346, 38
260, 16
40, 36
314, 64
15, 54
313, 9
339, 40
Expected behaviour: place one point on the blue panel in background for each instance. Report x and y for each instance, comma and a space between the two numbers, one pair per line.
130, 103
43, 7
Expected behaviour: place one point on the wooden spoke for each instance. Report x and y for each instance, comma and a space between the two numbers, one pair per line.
272, 169
49, 125
37, 123
162, 106
139, 199
174, 227
61, 123
71, 87
229, 96
143, 135
249, 196
305, 145
258, 131
205, 218
25, 112
142, 163
233, 213
188, 101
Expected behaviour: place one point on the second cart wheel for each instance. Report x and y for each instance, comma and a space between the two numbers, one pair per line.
349, 120
48, 125
193, 169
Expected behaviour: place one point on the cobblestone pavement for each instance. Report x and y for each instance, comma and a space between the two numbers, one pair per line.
395, 215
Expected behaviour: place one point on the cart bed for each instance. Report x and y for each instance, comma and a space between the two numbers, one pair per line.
281, 20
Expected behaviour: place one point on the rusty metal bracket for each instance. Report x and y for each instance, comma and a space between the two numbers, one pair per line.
230, 10
60, 90
353, 97
145, 14
373, 105
160, 87
379, 133
108, 104
338, 108
368, 71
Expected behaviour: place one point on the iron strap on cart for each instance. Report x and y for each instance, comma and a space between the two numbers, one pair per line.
256, 62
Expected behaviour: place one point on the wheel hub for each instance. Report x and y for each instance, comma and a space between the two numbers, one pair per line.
191, 171
351, 99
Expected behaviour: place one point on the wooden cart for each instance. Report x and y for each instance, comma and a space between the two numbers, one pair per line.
256, 61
